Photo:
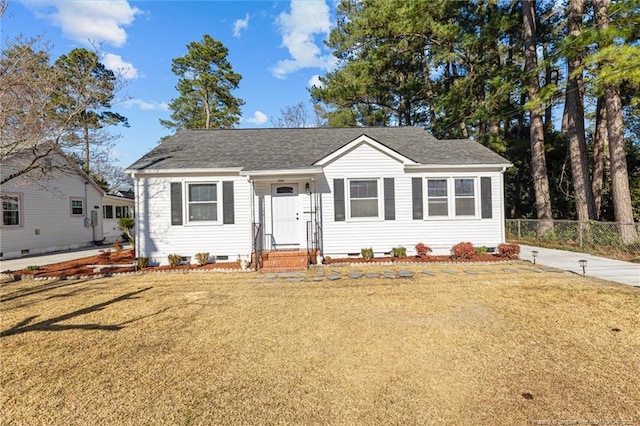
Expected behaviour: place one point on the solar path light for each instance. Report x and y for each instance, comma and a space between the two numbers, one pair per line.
583, 265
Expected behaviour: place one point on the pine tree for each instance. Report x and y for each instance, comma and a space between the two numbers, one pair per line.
206, 80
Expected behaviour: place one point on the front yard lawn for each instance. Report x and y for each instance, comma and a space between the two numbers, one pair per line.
502, 345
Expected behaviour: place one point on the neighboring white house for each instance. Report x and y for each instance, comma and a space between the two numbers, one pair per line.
59, 210
334, 190
115, 207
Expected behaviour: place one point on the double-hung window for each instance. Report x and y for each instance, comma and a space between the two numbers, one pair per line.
108, 212
451, 197
465, 200
437, 198
77, 207
202, 202
11, 210
363, 198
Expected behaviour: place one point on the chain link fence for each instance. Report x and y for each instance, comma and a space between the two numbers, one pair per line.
603, 238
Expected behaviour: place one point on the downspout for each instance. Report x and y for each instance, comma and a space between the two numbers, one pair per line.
503, 236
252, 225
136, 217
85, 205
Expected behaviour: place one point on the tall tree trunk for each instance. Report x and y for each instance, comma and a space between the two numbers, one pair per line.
548, 77
615, 130
600, 154
574, 113
87, 155
538, 161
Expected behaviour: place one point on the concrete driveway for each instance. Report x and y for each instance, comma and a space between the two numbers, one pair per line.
599, 267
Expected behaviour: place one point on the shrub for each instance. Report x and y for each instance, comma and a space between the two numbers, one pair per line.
174, 259
367, 253
143, 262
126, 225
104, 255
33, 268
423, 250
117, 246
463, 251
509, 250
202, 258
482, 250
399, 252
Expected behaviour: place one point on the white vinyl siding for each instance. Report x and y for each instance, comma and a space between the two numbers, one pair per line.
158, 237
440, 232
46, 223
115, 208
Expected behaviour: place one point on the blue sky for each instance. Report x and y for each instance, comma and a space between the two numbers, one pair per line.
277, 47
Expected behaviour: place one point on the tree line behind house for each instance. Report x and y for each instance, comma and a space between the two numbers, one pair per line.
553, 87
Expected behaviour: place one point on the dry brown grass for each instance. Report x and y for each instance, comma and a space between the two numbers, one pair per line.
234, 349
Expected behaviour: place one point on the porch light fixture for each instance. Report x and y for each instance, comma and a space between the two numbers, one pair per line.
534, 253
307, 188
583, 265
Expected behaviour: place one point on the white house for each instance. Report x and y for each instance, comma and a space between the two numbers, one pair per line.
331, 191
58, 210
115, 207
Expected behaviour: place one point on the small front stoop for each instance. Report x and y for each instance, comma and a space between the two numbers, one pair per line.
284, 261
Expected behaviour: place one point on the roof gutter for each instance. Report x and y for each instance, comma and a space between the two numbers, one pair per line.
158, 172
461, 167
311, 171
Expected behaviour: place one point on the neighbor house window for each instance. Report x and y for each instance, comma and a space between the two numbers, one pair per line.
11, 210
108, 212
437, 198
465, 201
77, 207
363, 198
202, 202
122, 211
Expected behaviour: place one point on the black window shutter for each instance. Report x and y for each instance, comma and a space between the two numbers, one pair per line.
416, 195
176, 203
485, 197
228, 210
338, 200
389, 199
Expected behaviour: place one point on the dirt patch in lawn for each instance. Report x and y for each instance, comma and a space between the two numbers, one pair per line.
504, 345
86, 266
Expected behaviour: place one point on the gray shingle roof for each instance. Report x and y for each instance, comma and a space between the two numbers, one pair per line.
267, 149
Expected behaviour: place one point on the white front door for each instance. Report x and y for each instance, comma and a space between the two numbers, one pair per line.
285, 215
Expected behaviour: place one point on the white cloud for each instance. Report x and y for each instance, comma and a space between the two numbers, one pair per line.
259, 117
88, 21
146, 106
315, 81
299, 28
240, 25
120, 67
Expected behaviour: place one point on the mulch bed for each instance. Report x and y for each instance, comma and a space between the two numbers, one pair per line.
79, 267
416, 259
